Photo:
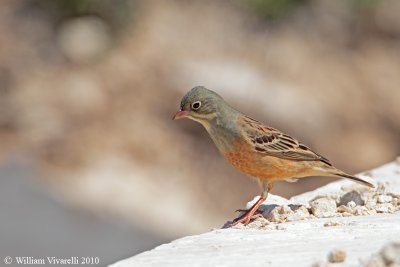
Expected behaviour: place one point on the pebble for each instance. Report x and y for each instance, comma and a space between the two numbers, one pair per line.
332, 223
385, 208
382, 188
259, 223
300, 212
370, 212
344, 208
391, 254
384, 198
370, 204
276, 213
361, 210
337, 255
346, 214
323, 207
352, 196
279, 214
351, 204
388, 256
376, 261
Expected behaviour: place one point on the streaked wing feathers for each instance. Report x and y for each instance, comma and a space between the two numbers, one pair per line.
272, 142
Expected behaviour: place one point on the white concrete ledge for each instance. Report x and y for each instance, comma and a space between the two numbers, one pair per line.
305, 242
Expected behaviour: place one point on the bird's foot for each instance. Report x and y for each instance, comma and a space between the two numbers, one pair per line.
246, 218
249, 214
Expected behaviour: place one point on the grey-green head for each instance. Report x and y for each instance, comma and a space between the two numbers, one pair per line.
200, 104
210, 109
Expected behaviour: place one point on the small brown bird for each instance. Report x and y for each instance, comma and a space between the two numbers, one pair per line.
254, 148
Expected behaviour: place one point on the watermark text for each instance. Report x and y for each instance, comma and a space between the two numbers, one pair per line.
51, 260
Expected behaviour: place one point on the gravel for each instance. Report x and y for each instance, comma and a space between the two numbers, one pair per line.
357, 202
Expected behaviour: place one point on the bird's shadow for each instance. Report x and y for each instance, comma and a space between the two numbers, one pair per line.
263, 210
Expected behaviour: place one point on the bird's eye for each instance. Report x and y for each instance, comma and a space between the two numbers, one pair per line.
196, 105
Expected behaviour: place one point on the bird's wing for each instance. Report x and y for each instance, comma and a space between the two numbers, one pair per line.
271, 142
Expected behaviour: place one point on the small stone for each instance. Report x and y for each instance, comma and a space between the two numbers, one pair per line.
351, 204
337, 255
352, 196
299, 212
370, 204
316, 264
385, 208
384, 198
369, 212
276, 213
388, 256
332, 223
343, 209
283, 213
323, 207
361, 210
258, 223
382, 188
266, 208
394, 196
280, 227
391, 254
347, 214
285, 209
376, 261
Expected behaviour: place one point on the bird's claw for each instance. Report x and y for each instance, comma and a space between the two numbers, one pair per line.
240, 210
245, 219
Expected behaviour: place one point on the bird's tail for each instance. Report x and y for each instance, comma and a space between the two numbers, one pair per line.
363, 181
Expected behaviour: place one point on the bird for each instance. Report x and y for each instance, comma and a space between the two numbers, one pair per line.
255, 149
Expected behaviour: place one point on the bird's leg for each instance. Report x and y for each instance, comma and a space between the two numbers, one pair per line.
249, 214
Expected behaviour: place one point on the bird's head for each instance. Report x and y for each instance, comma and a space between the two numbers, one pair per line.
199, 104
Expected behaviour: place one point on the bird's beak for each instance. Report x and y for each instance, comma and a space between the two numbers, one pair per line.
181, 114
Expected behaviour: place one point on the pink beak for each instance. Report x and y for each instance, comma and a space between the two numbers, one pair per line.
181, 115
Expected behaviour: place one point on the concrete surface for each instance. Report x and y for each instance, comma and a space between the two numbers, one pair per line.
298, 243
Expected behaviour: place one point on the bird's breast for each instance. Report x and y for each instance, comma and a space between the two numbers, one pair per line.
258, 165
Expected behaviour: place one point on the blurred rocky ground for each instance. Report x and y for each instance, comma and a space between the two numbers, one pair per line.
33, 224
88, 90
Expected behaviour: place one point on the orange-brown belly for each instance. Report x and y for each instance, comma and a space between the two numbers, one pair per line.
265, 167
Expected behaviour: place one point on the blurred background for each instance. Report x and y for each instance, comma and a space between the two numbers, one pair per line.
93, 165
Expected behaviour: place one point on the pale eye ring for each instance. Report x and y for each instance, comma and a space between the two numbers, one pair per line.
196, 105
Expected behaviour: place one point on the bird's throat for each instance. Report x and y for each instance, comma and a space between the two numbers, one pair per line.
206, 123
223, 133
